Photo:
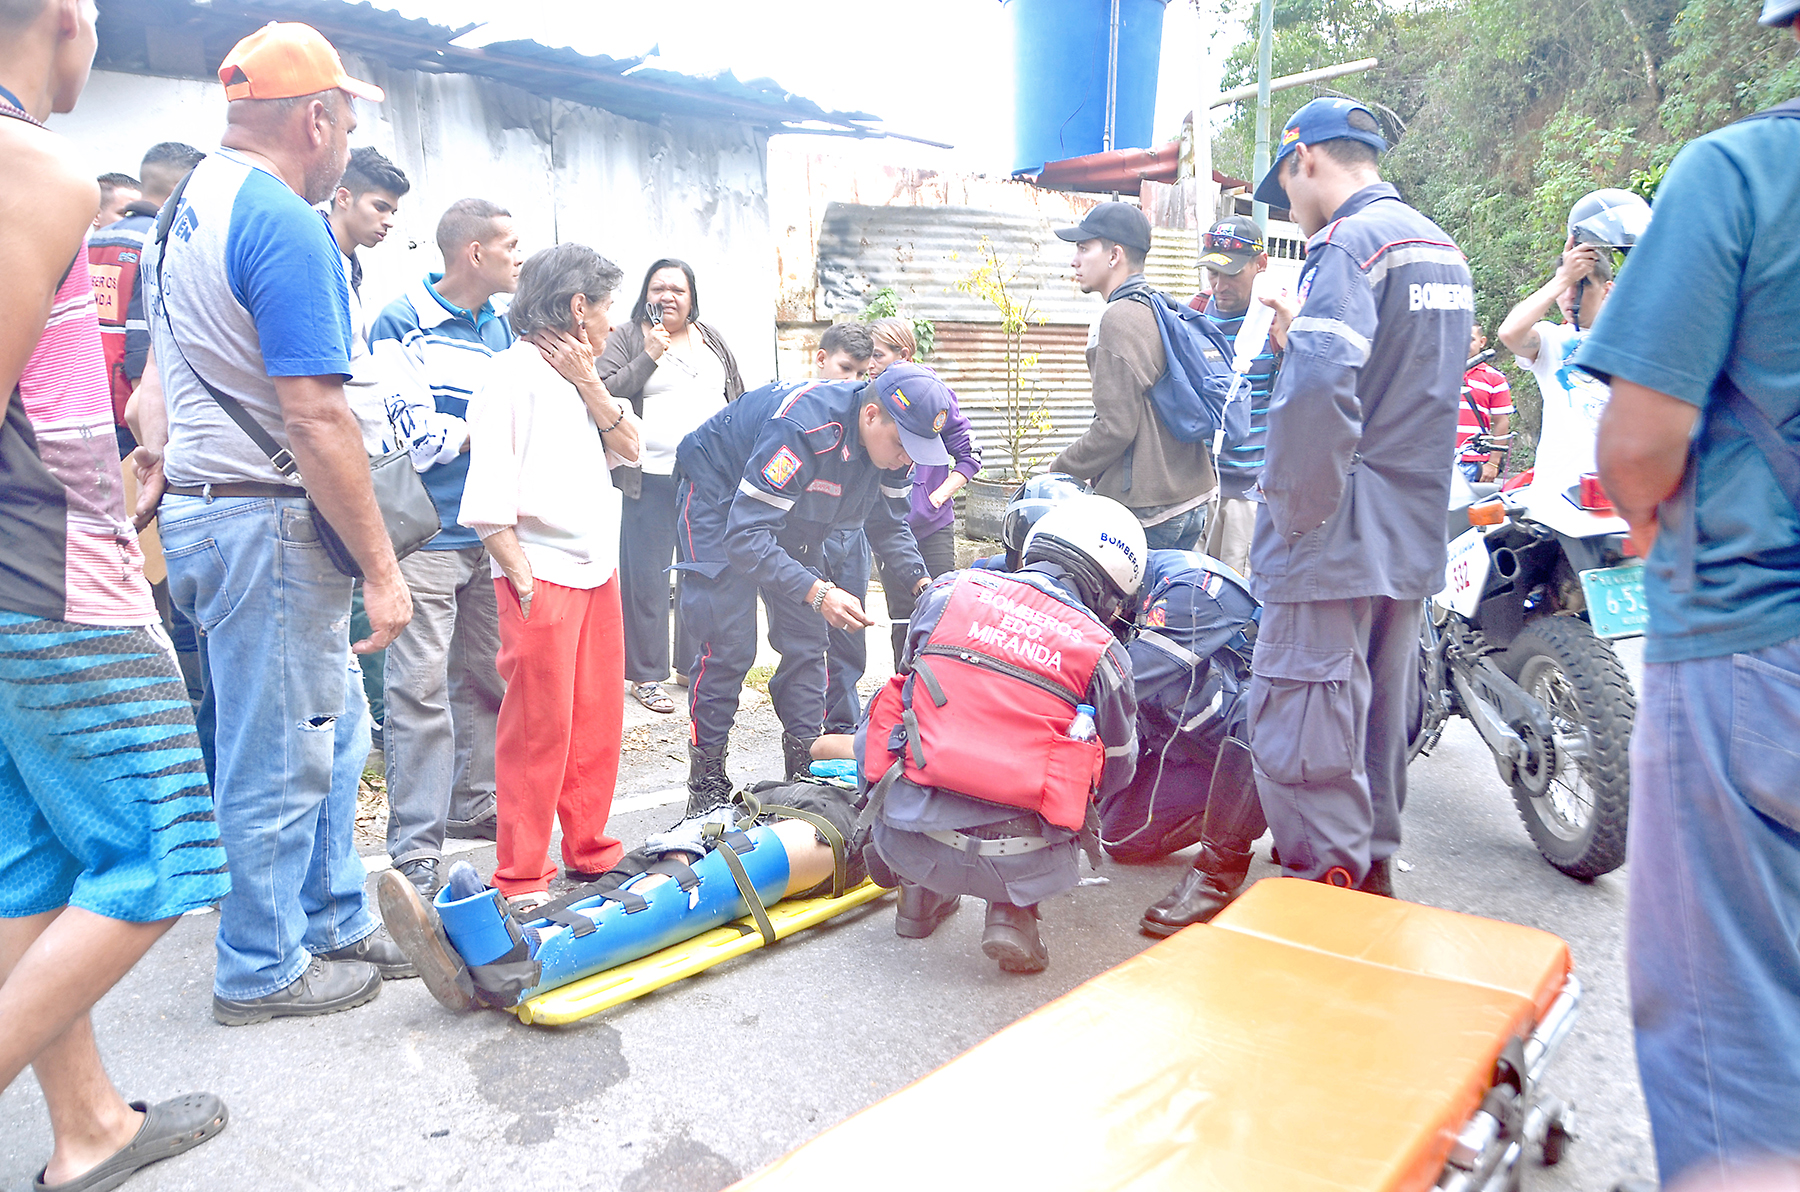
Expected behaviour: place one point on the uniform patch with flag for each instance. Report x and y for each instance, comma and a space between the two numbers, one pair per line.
781, 468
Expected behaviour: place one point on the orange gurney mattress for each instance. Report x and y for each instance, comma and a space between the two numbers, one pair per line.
1310, 1038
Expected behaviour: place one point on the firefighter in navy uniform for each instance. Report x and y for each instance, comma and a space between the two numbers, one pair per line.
762, 483
1014, 709
1190, 660
1350, 539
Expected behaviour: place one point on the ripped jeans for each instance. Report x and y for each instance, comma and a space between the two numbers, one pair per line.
292, 736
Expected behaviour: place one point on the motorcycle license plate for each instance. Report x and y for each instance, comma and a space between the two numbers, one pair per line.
1615, 600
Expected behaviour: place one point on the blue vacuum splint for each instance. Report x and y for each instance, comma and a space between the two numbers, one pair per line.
645, 913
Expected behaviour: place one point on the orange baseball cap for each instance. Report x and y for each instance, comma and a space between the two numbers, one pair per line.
284, 59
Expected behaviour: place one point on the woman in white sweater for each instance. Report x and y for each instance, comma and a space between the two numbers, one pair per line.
543, 435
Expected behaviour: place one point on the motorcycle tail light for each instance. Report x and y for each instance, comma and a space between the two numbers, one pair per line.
1488, 513
1593, 497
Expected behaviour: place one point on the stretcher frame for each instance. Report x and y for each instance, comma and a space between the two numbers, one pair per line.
1310, 1040
615, 986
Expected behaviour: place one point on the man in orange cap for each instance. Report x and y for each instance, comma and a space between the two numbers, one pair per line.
250, 329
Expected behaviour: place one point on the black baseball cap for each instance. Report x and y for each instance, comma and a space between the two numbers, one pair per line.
1231, 244
1119, 222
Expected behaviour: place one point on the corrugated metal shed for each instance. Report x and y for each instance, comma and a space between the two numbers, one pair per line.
971, 359
923, 251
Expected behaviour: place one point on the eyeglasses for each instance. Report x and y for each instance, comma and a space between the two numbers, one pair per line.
1230, 242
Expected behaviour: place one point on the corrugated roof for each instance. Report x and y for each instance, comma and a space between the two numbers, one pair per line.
627, 86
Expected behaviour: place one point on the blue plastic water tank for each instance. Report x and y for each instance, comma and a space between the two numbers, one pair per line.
1059, 77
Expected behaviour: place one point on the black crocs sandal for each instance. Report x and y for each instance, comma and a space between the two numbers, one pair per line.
170, 1127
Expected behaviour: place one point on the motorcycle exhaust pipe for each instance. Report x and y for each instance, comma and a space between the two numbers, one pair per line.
1506, 563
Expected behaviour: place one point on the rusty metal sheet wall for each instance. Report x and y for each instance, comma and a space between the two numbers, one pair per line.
970, 358
923, 251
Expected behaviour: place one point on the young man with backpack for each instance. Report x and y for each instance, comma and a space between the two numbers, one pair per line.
1129, 453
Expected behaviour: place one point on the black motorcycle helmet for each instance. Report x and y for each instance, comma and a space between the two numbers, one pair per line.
1030, 501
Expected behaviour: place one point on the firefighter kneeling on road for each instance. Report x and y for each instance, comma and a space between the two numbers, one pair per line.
1012, 712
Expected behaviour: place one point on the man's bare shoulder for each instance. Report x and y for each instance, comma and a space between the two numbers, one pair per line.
47, 194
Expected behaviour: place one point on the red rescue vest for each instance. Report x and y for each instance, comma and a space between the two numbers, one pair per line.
987, 708
114, 270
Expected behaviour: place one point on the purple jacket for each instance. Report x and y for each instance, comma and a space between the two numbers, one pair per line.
923, 519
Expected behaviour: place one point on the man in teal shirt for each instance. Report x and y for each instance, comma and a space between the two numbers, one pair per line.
1699, 344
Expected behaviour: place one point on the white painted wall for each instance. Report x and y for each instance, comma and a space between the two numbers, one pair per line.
634, 191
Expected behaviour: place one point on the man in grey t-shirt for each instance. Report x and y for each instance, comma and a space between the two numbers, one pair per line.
247, 292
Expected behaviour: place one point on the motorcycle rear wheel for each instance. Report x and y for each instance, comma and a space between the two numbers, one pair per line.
1578, 822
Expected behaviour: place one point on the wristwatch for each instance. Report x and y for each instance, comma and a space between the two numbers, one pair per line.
818, 602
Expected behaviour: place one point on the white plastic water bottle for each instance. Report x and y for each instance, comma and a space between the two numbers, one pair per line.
1082, 728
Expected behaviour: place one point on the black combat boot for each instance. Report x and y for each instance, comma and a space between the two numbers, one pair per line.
708, 787
796, 752
1203, 891
1011, 937
921, 911
1380, 879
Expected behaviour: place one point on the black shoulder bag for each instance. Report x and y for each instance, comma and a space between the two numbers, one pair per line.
406, 507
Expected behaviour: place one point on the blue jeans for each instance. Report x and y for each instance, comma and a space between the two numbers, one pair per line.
1181, 532
1714, 931
292, 735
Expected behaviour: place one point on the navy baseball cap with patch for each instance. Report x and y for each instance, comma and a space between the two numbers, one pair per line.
1120, 223
1231, 244
1324, 119
920, 405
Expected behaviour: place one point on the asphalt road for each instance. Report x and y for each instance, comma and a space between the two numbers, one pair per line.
697, 1084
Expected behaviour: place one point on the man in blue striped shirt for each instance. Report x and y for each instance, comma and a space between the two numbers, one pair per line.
1234, 256
431, 346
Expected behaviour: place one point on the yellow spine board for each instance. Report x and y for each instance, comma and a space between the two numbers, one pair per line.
602, 991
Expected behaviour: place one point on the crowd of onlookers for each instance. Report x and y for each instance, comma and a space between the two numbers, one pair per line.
205, 339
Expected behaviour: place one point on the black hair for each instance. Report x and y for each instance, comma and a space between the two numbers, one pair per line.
164, 165
644, 294
852, 339
111, 182
552, 278
464, 222
1347, 151
369, 170
1134, 257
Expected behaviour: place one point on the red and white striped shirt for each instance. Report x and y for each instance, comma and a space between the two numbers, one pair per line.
1487, 387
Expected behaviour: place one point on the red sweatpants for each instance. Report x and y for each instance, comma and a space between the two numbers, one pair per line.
556, 748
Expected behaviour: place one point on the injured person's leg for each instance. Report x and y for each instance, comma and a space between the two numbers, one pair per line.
471, 951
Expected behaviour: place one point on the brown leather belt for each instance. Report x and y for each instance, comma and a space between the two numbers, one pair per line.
245, 488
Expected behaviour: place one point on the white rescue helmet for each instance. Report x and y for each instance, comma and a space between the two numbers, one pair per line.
1611, 217
1096, 538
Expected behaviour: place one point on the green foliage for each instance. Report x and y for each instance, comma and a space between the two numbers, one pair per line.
994, 280
885, 304
1507, 111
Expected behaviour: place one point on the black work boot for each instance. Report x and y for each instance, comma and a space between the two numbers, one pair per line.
1380, 879
921, 911
796, 752
1011, 937
708, 785
1203, 891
